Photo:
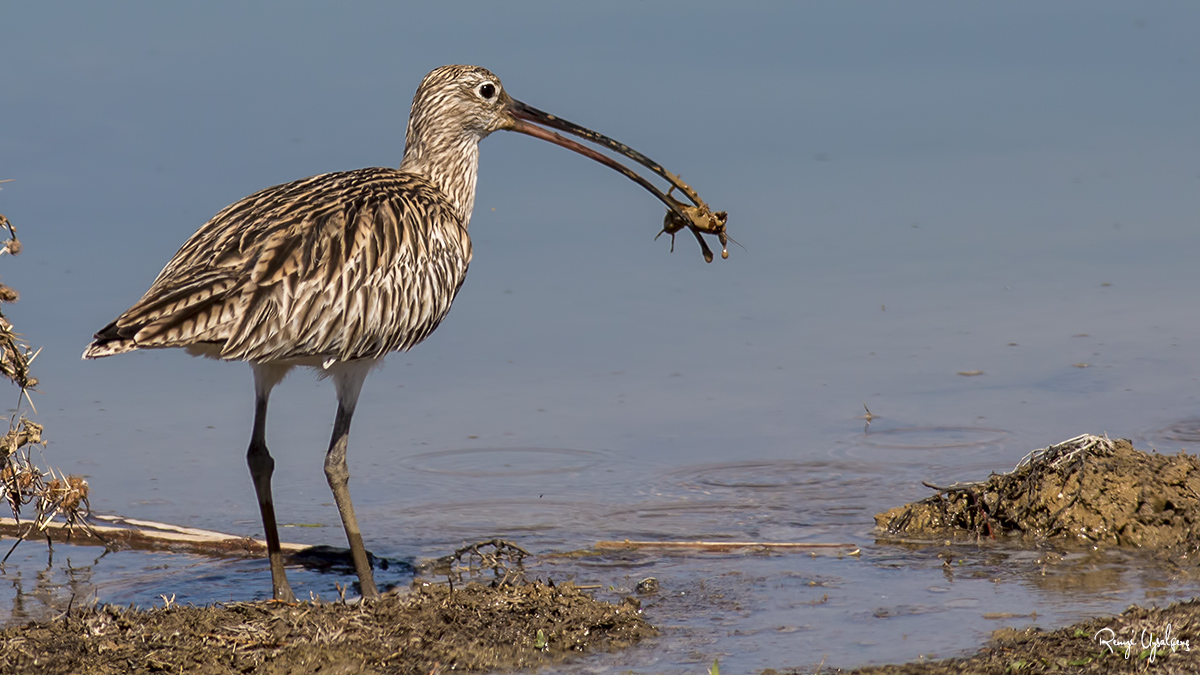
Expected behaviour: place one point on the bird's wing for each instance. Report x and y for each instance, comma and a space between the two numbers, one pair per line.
338, 266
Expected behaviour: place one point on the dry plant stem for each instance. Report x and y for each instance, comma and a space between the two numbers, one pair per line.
1070, 450
15, 354
500, 546
22, 483
503, 558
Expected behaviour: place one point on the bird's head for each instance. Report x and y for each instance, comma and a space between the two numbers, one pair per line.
459, 100
455, 107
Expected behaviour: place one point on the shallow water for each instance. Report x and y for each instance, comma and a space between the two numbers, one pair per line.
920, 191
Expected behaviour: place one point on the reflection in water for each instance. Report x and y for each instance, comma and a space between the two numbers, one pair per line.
1068, 573
55, 587
1114, 573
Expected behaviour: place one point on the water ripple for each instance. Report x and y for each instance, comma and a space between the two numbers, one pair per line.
497, 462
933, 437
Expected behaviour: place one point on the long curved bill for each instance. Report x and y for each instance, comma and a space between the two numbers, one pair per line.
697, 217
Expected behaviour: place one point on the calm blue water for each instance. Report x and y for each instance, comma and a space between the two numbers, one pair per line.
921, 189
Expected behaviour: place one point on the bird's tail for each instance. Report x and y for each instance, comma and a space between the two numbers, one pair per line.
108, 341
101, 348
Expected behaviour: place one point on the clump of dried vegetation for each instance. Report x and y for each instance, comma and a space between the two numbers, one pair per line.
22, 482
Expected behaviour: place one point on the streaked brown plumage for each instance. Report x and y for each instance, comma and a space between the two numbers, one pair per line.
337, 270
339, 266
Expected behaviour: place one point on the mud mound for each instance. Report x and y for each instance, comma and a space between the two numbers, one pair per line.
1089, 490
1159, 640
431, 629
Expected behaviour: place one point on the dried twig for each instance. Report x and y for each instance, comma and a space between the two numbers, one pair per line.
505, 560
22, 482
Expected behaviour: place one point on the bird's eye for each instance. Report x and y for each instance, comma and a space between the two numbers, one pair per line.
487, 90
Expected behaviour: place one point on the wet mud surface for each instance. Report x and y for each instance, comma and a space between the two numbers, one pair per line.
428, 629
1090, 491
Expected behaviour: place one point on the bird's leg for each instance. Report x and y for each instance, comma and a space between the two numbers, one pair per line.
261, 468
349, 384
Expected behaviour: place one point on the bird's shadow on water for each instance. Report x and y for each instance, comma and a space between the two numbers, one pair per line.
335, 561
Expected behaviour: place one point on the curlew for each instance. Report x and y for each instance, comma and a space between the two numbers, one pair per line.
335, 271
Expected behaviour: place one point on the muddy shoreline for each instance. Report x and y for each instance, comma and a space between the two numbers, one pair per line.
1081, 497
483, 628
429, 628
1089, 493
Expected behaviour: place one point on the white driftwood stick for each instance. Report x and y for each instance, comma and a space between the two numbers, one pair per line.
144, 534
